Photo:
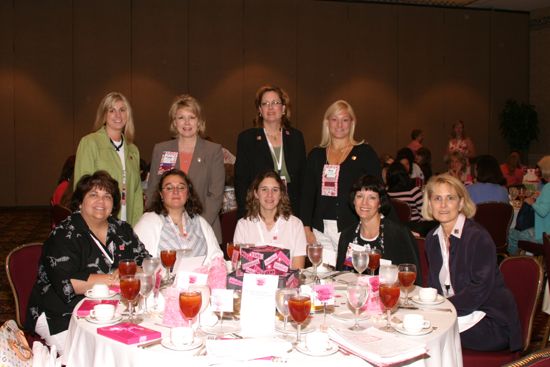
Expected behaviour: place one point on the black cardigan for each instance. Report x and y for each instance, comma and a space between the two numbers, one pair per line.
254, 157
314, 207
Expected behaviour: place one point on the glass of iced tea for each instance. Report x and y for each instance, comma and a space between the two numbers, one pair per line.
407, 276
389, 291
374, 260
130, 286
299, 307
168, 259
127, 267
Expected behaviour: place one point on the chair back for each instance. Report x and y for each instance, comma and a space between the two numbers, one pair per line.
228, 221
539, 358
523, 277
424, 265
22, 269
496, 218
58, 213
402, 209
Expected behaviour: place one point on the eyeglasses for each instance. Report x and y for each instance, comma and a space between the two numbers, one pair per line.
271, 104
179, 188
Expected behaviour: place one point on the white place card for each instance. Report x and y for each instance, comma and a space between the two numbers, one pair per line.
186, 278
258, 304
222, 300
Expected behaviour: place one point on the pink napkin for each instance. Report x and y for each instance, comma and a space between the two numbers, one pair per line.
373, 305
172, 312
217, 274
115, 288
88, 305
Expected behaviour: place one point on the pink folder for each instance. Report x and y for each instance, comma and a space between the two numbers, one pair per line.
129, 333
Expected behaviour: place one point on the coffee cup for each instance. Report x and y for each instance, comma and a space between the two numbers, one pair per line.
99, 290
180, 336
427, 294
103, 312
317, 342
414, 322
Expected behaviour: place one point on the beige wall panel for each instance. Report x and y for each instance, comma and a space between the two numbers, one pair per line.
7, 122
160, 51
322, 67
421, 76
270, 53
102, 57
371, 84
43, 96
216, 66
509, 72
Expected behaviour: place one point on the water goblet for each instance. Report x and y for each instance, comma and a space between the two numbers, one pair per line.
357, 297
168, 259
190, 304
407, 276
145, 288
129, 289
281, 299
315, 255
389, 291
127, 267
299, 307
374, 260
150, 265
360, 260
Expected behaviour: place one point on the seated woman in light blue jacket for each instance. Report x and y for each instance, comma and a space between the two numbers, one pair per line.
489, 182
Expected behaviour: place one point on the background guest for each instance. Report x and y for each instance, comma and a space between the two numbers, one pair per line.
111, 148
269, 219
331, 170
423, 158
489, 181
84, 249
460, 142
513, 170
417, 137
459, 168
463, 268
375, 230
173, 220
405, 156
64, 190
404, 188
200, 159
271, 144
541, 206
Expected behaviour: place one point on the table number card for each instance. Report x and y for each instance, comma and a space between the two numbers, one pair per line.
258, 304
186, 278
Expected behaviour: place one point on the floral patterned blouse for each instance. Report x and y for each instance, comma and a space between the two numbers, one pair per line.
70, 252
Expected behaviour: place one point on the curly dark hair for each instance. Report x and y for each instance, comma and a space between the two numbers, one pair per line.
371, 183
101, 180
253, 204
192, 205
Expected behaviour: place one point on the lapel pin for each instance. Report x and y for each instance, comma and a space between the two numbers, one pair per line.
456, 231
287, 132
199, 159
353, 157
258, 137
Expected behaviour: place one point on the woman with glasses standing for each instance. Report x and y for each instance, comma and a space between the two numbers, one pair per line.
271, 145
200, 159
331, 170
174, 221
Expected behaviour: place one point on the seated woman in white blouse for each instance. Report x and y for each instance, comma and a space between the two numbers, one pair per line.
269, 219
173, 220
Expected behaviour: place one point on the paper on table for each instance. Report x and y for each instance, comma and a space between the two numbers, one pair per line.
258, 304
186, 278
246, 349
378, 347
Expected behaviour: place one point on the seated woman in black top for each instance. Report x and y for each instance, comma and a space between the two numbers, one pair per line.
84, 249
374, 230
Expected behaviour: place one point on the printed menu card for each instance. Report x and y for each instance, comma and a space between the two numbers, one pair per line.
258, 304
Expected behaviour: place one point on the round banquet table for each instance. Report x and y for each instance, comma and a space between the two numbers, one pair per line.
84, 347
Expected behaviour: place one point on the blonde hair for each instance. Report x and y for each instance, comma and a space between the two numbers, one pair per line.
335, 108
544, 165
108, 102
190, 103
468, 206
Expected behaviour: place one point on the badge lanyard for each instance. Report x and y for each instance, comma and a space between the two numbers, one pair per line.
261, 232
278, 162
110, 260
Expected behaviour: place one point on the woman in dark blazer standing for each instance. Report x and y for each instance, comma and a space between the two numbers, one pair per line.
271, 145
200, 159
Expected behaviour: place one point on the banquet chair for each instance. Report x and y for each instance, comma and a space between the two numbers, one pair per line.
424, 266
496, 218
523, 277
540, 358
532, 247
58, 213
22, 269
546, 251
402, 209
228, 221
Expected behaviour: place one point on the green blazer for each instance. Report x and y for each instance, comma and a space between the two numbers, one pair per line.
95, 152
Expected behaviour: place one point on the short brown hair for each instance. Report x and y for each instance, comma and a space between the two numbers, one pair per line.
253, 204
468, 206
285, 100
192, 205
101, 180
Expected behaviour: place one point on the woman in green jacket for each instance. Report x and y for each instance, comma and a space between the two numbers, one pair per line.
110, 147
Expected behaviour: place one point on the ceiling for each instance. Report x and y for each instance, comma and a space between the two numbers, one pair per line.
517, 5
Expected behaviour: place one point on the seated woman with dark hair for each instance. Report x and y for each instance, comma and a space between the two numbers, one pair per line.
84, 249
406, 157
403, 188
489, 181
374, 230
173, 220
269, 219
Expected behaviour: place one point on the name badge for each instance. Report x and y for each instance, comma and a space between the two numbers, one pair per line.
167, 162
329, 181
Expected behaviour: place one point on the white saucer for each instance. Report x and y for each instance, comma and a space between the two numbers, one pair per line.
439, 299
89, 294
347, 315
332, 348
167, 343
114, 320
292, 327
402, 330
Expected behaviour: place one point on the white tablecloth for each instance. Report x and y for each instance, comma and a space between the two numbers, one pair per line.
86, 348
